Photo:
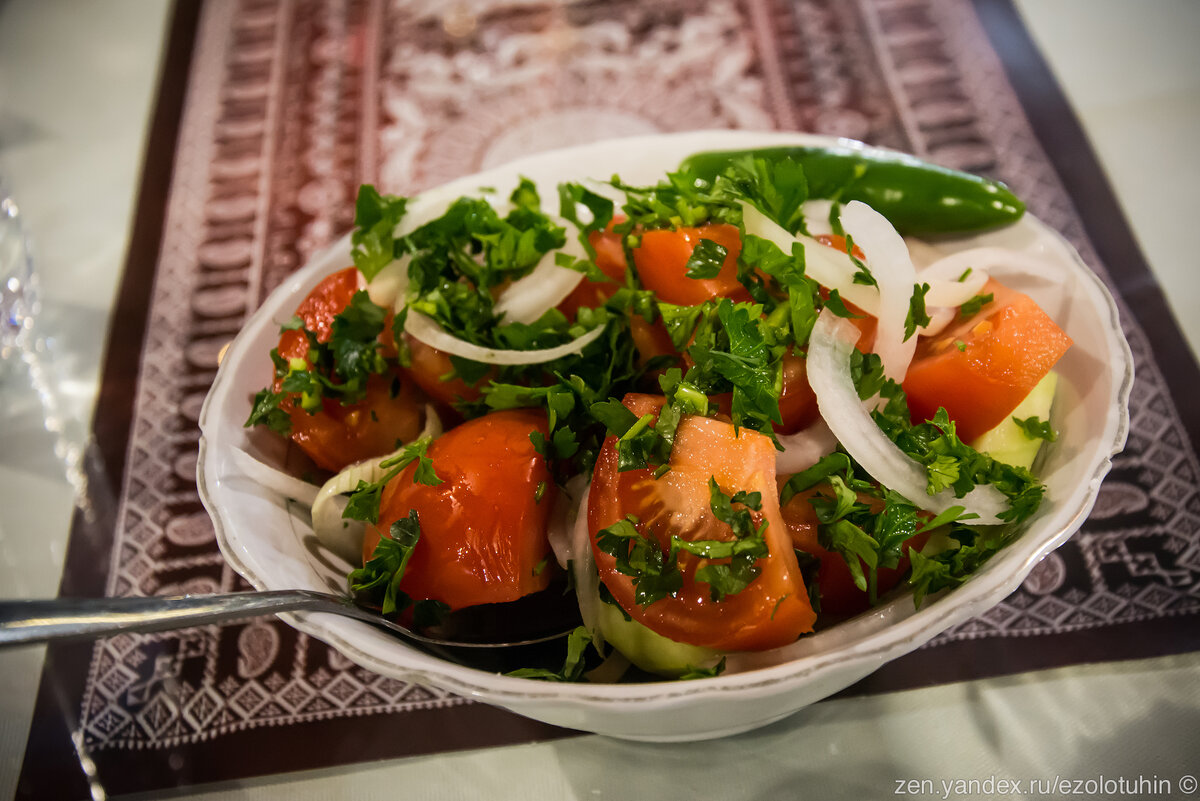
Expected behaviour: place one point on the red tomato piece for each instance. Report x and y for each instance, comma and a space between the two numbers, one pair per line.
982, 367
339, 435
427, 367
662, 257
797, 402
610, 258
840, 597
652, 340
483, 529
774, 609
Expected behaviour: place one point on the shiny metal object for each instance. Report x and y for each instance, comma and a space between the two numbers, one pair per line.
27, 622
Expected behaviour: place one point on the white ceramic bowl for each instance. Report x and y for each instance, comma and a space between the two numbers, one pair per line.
270, 541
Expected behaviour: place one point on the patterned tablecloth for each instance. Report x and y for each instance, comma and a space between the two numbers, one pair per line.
272, 113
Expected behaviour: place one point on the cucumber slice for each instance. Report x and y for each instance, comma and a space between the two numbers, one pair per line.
1007, 442
648, 649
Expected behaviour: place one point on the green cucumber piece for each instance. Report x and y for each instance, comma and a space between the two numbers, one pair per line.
648, 649
1008, 442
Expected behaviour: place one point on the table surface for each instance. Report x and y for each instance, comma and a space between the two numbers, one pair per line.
76, 89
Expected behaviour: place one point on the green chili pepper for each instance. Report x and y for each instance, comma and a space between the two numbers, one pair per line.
917, 197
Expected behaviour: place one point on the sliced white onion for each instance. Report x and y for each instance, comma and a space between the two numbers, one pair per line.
829, 375
421, 327
944, 287
287, 485
388, 287
345, 537
825, 265
887, 256
804, 448
939, 318
562, 520
587, 579
527, 299
816, 216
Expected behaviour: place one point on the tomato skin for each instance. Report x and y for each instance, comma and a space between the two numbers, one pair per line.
839, 595
338, 435
427, 366
774, 609
797, 402
662, 257
1008, 347
483, 532
610, 258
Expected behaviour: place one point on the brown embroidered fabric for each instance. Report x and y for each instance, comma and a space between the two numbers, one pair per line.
288, 107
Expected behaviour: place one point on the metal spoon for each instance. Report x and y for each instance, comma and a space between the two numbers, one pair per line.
26, 622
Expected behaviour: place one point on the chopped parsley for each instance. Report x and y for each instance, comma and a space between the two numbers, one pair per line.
917, 317
1035, 428
375, 219
337, 369
707, 259
655, 571
836, 305
573, 666
379, 579
364, 498
693, 672
973, 306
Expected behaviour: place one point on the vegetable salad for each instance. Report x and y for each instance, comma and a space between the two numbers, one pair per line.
723, 410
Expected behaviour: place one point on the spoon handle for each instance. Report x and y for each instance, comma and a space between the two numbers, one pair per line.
25, 622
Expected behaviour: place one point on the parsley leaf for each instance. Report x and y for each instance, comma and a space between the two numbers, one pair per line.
707, 259
776, 186
973, 306
354, 339
863, 274
836, 305
572, 195
379, 579
364, 498
573, 666
375, 219
917, 316
655, 572
952, 566
834, 463
1035, 428
266, 411
693, 672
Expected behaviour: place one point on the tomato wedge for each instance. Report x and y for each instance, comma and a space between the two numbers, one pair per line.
610, 258
772, 610
981, 367
483, 529
338, 435
427, 367
662, 258
840, 597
